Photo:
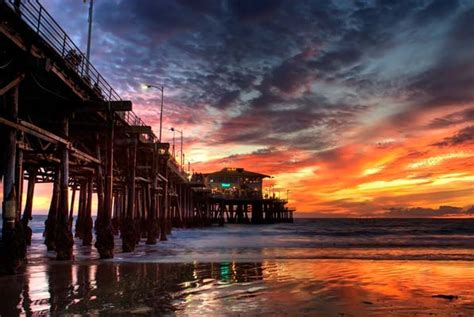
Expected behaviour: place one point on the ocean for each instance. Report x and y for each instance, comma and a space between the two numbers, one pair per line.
314, 267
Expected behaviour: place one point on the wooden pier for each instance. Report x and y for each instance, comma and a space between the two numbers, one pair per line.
255, 211
62, 123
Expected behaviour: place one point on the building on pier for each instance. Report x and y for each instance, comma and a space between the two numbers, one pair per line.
236, 196
235, 183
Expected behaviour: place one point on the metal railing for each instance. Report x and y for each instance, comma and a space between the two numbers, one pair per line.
43, 24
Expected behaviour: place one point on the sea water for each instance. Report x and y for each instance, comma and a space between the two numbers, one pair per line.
314, 267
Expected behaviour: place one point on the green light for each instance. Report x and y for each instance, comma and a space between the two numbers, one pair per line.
225, 185
225, 271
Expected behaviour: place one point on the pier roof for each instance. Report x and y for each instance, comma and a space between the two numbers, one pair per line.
228, 171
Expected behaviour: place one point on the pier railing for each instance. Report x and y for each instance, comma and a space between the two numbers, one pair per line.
43, 24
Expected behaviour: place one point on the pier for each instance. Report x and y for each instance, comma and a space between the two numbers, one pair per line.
62, 123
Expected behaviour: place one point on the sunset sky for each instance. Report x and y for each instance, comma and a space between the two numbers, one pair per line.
356, 107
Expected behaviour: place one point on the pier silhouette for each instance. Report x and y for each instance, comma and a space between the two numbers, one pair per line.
62, 123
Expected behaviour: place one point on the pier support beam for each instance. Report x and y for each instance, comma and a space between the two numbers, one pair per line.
13, 249
50, 223
64, 239
71, 208
87, 220
81, 210
27, 213
164, 199
103, 224
128, 222
152, 224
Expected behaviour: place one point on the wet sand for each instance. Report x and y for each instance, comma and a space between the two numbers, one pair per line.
270, 288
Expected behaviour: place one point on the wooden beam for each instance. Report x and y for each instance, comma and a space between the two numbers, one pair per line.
31, 128
12, 84
48, 137
97, 106
83, 156
136, 129
162, 178
142, 179
129, 141
24, 146
154, 145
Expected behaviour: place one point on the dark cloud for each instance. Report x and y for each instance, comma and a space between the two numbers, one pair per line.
437, 10
292, 73
309, 127
451, 79
420, 212
457, 117
465, 135
211, 7
140, 21
265, 151
253, 10
227, 99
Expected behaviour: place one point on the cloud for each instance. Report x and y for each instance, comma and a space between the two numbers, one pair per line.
253, 10
465, 135
450, 80
419, 212
341, 88
453, 118
291, 75
437, 10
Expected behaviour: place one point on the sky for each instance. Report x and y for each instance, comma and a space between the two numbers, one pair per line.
358, 108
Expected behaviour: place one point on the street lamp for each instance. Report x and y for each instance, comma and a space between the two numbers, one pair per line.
174, 142
89, 34
161, 88
182, 153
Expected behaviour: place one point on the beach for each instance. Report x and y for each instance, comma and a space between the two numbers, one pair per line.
274, 270
236, 158
282, 288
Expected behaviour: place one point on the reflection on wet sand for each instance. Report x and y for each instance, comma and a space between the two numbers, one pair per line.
297, 287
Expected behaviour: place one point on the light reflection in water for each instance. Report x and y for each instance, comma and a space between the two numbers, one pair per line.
325, 287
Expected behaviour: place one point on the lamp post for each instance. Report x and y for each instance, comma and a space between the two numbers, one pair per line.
174, 142
182, 153
161, 88
89, 34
